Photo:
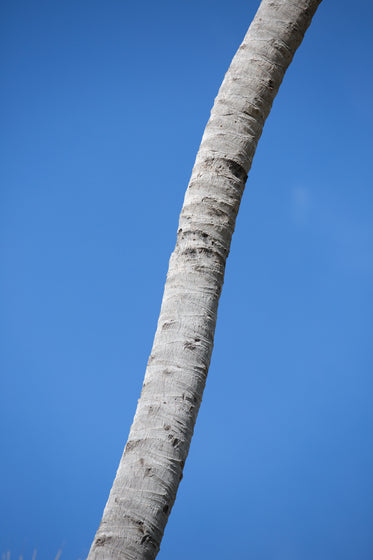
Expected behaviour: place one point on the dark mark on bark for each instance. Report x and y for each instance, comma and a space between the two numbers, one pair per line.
101, 541
131, 445
221, 256
216, 212
140, 526
219, 165
192, 399
174, 440
148, 539
189, 251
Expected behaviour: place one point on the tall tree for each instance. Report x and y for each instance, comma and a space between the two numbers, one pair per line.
152, 464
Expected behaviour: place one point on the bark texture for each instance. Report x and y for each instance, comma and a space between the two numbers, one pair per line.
151, 468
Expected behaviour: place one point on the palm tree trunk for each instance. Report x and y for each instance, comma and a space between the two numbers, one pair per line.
151, 468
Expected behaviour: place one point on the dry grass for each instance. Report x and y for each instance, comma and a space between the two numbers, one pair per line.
7, 555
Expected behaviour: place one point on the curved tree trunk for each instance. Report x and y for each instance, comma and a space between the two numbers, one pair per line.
151, 468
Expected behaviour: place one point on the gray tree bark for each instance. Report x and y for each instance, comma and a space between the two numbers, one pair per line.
152, 464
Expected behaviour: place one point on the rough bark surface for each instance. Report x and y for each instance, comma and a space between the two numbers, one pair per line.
151, 468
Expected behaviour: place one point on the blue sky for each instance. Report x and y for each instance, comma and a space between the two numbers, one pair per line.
102, 107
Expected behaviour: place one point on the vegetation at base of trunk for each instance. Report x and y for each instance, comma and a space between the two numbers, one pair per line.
8, 556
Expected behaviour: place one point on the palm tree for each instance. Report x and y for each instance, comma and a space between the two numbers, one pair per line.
152, 464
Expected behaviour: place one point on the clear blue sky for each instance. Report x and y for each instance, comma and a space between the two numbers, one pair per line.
103, 105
